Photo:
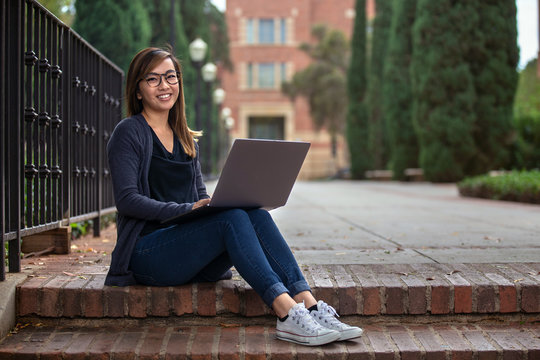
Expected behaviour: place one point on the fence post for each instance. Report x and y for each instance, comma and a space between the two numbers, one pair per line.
3, 137
13, 120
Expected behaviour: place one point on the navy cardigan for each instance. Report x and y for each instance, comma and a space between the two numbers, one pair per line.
130, 151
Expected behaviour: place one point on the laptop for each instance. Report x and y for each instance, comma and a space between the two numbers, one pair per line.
257, 174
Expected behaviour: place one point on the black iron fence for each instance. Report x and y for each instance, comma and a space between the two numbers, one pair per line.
59, 101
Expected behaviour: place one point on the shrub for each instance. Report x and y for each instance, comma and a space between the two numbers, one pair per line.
522, 186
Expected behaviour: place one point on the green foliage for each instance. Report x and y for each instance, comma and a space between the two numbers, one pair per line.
463, 76
323, 82
62, 9
527, 119
80, 229
493, 56
377, 132
357, 123
523, 186
118, 29
162, 34
219, 37
443, 87
397, 93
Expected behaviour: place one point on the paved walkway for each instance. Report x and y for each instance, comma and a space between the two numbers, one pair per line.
346, 222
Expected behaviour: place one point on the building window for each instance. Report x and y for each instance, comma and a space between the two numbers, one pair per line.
283, 74
250, 30
266, 127
266, 75
266, 31
283, 31
249, 75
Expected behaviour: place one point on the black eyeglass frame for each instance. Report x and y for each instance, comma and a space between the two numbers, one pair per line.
160, 76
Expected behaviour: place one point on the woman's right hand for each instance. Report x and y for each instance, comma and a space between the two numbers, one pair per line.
200, 203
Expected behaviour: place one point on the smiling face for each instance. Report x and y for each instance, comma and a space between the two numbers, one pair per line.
162, 97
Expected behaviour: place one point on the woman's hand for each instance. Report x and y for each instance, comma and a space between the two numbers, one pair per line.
200, 203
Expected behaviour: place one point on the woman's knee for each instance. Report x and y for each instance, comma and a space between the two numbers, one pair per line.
258, 215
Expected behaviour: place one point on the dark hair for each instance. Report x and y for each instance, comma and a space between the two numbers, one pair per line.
142, 64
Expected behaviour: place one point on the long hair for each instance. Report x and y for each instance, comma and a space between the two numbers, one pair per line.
142, 64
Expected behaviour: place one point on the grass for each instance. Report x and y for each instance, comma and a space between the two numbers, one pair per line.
522, 186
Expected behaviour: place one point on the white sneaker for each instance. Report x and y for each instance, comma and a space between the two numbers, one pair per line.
300, 328
325, 315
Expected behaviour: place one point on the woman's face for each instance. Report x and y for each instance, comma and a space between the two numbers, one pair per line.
162, 97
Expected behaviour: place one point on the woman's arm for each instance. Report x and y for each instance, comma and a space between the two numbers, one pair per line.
201, 187
126, 154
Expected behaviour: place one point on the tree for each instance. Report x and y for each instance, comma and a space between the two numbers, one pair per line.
62, 9
118, 29
219, 37
163, 33
493, 56
397, 92
464, 78
357, 135
323, 82
526, 152
443, 87
377, 134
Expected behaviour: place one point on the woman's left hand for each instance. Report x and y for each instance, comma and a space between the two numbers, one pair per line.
202, 202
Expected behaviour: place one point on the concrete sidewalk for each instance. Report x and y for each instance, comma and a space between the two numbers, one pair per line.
360, 222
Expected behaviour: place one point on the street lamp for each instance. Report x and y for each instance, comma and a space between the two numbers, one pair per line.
218, 96
197, 52
209, 72
229, 124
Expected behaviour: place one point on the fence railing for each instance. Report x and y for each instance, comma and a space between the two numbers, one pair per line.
59, 102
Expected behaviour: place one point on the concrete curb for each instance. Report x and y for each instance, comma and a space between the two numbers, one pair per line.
8, 304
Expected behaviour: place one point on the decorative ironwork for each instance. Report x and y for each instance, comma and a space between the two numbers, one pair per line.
49, 172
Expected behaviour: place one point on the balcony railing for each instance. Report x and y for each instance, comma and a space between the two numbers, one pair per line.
59, 102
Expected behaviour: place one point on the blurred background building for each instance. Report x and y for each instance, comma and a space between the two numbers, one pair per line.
264, 49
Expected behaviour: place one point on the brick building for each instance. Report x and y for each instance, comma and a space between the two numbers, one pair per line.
264, 38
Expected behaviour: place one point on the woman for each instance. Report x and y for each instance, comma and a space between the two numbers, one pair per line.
154, 163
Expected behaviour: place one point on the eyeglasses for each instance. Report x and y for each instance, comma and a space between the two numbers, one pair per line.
154, 79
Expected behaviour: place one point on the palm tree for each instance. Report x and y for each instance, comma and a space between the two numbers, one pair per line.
324, 81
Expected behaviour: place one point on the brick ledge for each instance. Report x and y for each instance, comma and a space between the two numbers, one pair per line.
404, 289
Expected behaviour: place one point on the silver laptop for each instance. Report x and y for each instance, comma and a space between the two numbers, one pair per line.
257, 174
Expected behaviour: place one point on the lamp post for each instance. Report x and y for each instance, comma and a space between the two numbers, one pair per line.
209, 72
218, 96
228, 122
197, 52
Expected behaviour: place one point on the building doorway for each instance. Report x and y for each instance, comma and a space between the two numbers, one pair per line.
267, 127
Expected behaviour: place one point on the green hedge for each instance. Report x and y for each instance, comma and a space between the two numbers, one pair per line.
522, 186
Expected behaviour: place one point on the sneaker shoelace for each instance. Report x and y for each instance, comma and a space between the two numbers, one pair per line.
329, 314
301, 319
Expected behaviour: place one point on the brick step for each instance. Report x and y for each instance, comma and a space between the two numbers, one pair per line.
411, 289
396, 341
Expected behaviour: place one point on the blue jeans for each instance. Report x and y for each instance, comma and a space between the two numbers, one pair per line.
204, 249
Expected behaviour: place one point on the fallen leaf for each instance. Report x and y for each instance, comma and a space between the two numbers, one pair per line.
453, 272
81, 277
518, 280
229, 325
399, 249
341, 253
533, 273
430, 278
